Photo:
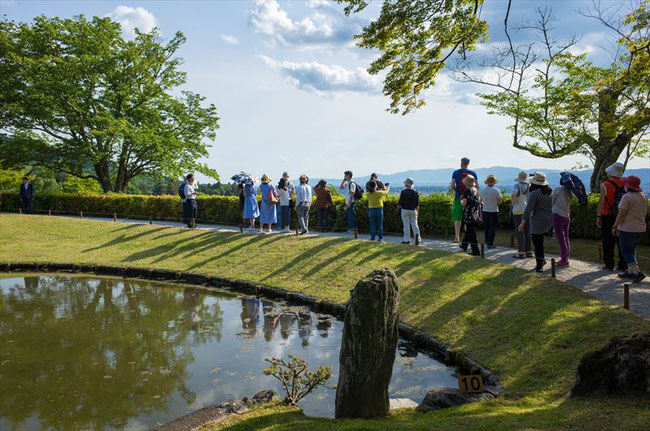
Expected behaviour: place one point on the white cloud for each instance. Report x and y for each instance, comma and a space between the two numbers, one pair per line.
230, 40
326, 25
131, 18
325, 79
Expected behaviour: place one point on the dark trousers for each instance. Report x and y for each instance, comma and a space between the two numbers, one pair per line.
538, 244
490, 221
469, 238
189, 211
350, 215
323, 215
285, 216
27, 205
610, 242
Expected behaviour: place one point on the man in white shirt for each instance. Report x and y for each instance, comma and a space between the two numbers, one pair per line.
189, 202
348, 188
491, 199
303, 203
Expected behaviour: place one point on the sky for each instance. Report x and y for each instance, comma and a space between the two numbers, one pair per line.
292, 91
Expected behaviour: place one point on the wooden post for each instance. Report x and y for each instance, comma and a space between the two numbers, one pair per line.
81, 214
114, 216
626, 296
49, 212
553, 267
512, 240
193, 222
297, 229
483, 250
600, 251
356, 233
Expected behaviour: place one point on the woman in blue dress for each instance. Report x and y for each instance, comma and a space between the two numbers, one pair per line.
269, 215
251, 210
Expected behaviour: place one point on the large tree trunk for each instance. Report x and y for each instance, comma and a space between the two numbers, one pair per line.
104, 175
606, 154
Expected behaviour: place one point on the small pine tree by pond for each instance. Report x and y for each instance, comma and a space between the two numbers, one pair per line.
296, 378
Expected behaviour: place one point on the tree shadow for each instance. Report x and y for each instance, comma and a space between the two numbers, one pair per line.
125, 238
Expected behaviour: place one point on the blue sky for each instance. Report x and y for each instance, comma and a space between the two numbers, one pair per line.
293, 94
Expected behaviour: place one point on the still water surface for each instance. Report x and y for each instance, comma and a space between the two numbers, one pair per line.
81, 352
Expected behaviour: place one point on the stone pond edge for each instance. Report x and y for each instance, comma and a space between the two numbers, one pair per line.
416, 336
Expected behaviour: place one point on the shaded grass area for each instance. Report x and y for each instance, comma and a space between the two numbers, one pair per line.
529, 328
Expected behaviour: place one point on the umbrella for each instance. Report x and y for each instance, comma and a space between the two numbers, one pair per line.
245, 178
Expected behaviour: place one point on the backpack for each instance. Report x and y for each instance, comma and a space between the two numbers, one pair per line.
358, 192
618, 194
181, 191
462, 187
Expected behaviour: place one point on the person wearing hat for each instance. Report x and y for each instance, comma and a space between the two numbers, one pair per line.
538, 215
303, 204
251, 208
268, 210
376, 210
491, 199
471, 214
458, 187
611, 192
323, 204
630, 225
561, 200
409, 204
519, 199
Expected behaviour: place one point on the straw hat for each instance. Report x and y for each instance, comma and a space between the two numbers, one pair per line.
615, 170
265, 179
408, 181
539, 179
469, 181
304, 178
632, 182
522, 177
491, 180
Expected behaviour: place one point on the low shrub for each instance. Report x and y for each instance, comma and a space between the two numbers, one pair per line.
434, 217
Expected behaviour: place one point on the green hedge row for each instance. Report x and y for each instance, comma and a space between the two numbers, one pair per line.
435, 211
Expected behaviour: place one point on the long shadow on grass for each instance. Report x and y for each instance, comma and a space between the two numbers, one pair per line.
125, 238
259, 241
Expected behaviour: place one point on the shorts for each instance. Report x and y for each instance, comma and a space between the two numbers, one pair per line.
457, 210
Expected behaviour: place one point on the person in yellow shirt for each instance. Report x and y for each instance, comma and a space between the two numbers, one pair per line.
376, 210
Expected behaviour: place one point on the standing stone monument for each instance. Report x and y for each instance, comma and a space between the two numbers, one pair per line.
368, 347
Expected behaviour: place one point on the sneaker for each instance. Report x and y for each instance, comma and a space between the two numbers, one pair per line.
417, 240
539, 270
380, 241
638, 277
456, 240
302, 232
562, 263
285, 230
627, 275
406, 242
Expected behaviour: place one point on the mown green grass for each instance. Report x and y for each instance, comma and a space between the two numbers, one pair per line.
529, 328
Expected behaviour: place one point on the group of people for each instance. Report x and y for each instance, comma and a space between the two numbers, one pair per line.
537, 208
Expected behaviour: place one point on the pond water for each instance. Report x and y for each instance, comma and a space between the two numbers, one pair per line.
80, 352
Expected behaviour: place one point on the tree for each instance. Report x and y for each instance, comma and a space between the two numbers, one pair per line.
562, 103
76, 94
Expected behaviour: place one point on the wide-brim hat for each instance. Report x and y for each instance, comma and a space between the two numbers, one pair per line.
304, 178
265, 179
469, 181
408, 181
632, 182
522, 177
491, 180
615, 170
539, 178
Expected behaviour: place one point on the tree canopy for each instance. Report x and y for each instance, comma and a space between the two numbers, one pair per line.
78, 98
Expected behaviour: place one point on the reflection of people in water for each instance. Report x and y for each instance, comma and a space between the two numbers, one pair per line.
286, 322
250, 315
304, 327
31, 284
270, 320
192, 306
323, 325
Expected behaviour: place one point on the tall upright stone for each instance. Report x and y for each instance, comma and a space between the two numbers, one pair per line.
370, 332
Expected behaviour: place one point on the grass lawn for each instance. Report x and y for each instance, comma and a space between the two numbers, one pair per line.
527, 327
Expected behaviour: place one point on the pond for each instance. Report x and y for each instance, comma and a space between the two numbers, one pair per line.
79, 352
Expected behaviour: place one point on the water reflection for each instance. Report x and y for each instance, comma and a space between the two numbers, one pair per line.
106, 353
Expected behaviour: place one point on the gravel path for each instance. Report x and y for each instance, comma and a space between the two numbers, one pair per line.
586, 276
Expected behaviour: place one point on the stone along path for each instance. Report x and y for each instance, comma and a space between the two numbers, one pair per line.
583, 275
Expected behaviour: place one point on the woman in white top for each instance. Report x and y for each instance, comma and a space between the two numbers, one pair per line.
491, 199
284, 197
519, 197
561, 201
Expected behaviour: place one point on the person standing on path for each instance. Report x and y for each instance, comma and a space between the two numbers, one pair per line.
375, 178
189, 200
470, 200
268, 210
491, 198
303, 204
292, 190
285, 210
630, 225
561, 204
538, 215
409, 204
251, 209
458, 188
376, 210
519, 197
27, 196
611, 192
323, 205
349, 190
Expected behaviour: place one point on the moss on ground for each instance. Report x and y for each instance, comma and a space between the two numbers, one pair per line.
527, 327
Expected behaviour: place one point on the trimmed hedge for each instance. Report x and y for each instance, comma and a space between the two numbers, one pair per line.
435, 211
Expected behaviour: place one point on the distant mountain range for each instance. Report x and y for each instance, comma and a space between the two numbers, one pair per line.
505, 175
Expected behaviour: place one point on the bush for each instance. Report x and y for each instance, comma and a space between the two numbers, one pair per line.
296, 379
435, 211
